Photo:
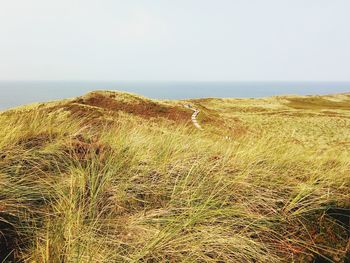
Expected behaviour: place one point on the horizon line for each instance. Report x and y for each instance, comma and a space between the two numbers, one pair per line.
160, 81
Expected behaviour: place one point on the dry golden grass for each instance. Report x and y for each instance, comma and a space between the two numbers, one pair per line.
83, 182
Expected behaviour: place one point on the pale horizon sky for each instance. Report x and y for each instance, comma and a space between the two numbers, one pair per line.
184, 40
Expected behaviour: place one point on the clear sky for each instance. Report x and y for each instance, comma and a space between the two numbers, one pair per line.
228, 40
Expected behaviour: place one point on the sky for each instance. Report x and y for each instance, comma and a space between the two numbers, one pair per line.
185, 40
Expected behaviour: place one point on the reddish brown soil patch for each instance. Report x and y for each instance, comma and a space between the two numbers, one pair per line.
87, 116
36, 141
83, 148
80, 111
76, 110
144, 108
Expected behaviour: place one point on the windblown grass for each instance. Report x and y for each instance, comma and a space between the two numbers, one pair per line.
130, 189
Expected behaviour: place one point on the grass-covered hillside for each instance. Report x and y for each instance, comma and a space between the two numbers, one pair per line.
114, 177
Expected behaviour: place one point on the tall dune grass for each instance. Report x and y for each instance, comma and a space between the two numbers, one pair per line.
140, 191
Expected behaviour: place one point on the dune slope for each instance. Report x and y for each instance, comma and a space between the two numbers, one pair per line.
115, 177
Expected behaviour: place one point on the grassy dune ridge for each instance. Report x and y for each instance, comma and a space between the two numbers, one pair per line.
115, 177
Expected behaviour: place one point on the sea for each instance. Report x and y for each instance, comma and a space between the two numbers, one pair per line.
15, 93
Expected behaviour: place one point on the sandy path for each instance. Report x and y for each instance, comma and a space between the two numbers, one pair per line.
194, 116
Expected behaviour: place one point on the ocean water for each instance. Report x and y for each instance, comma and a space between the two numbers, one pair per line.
15, 93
